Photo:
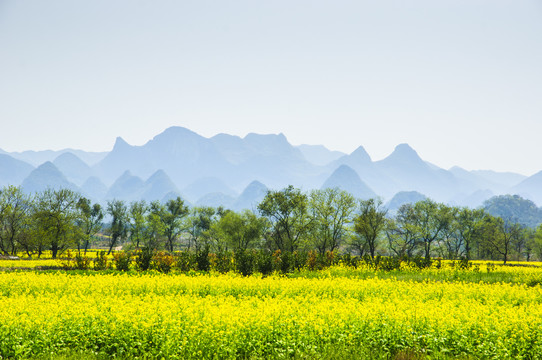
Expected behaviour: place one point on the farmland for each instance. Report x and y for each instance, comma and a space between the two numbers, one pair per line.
486, 311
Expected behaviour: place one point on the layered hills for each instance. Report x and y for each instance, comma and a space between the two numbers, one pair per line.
235, 172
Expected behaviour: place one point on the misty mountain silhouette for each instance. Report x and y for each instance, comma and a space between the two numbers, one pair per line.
180, 162
46, 176
13, 171
345, 178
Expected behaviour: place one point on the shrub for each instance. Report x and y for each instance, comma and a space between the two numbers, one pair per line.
163, 262
122, 260
202, 259
312, 260
185, 261
286, 263
264, 262
244, 262
101, 261
222, 262
143, 258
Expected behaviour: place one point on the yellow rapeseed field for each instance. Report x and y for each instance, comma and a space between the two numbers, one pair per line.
229, 316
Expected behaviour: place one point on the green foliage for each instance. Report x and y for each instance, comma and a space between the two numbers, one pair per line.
330, 212
163, 262
515, 209
185, 261
291, 221
239, 231
144, 258
101, 262
122, 260
369, 225
264, 262
222, 261
89, 221
244, 262
286, 211
202, 259
15, 225
55, 218
118, 228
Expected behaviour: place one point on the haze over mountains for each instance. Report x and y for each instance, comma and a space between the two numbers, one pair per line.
236, 172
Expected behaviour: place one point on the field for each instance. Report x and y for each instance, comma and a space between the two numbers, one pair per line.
487, 311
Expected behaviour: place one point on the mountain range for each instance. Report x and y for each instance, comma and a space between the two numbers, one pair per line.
236, 172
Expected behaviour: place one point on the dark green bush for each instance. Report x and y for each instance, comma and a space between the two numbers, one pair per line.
202, 259
144, 258
264, 262
122, 260
101, 261
163, 262
185, 261
244, 262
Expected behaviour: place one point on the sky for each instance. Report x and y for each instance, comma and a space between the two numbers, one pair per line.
458, 80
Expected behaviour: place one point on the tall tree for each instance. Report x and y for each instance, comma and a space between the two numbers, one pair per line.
239, 231
172, 217
287, 213
369, 225
330, 211
199, 223
15, 212
468, 228
433, 221
155, 227
56, 215
501, 234
402, 232
137, 214
89, 221
119, 222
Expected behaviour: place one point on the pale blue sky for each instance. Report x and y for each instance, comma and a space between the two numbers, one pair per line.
459, 80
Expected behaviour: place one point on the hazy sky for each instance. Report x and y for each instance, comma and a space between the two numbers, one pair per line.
459, 80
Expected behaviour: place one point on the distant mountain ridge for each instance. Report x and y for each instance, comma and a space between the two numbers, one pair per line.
180, 162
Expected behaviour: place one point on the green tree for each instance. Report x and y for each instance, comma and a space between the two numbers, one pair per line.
137, 214
330, 211
56, 215
198, 224
89, 221
537, 242
514, 208
118, 227
287, 213
172, 217
467, 229
500, 235
155, 227
239, 231
402, 232
369, 225
432, 222
15, 213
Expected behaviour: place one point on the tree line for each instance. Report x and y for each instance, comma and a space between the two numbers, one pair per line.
287, 220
